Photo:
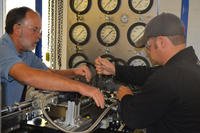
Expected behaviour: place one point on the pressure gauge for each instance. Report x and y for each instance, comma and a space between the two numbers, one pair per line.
108, 57
138, 61
108, 34
76, 58
80, 6
120, 61
79, 33
135, 32
109, 6
140, 6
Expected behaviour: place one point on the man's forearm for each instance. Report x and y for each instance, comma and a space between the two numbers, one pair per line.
66, 73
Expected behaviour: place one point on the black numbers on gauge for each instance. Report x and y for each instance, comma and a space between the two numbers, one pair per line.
80, 6
109, 6
140, 6
108, 34
79, 33
135, 32
138, 61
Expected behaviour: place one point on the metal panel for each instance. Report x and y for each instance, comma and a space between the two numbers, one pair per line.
94, 18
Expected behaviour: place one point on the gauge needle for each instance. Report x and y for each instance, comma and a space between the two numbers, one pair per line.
79, 4
79, 33
138, 3
107, 35
137, 37
107, 4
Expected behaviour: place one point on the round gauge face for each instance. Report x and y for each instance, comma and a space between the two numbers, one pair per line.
140, 6
138, 61
79, 33
76, 58
108, 34
135, 32
80, 6
109, 6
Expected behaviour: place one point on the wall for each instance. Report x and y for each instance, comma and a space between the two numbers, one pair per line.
1, 17
94, 18
168, 6
94, 48
193, 35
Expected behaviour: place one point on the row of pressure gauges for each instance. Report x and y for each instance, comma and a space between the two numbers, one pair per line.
110, 6
107, 34
80, 58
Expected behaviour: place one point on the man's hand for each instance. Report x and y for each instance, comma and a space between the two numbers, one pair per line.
103, 66
95, 94
122, 91
83, 71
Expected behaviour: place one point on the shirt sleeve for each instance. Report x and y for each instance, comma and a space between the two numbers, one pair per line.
134, 75
143, 109
33, 61
7, 59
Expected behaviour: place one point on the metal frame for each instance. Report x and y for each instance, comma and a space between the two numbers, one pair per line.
184, 14
2, 16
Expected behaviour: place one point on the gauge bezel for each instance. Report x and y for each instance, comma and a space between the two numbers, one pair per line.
82, 12
99, 34
138, 57
140, 11
129, 33
108, 57
120, 61
71, 33
71, 63
109, 12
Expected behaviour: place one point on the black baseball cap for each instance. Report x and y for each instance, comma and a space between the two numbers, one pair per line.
165, 24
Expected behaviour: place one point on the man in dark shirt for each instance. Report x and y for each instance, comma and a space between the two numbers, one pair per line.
169, 100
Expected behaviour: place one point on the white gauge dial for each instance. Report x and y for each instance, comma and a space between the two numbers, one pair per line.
138, 61
80, 6
140, 6
76, 58
108, 34
135, 32
109, 6
79, 33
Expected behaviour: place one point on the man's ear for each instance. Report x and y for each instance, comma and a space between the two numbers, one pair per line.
162, 41
17, 29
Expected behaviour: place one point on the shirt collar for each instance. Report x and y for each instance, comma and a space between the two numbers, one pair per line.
186, 54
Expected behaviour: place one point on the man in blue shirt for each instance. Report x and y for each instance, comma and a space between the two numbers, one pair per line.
21, 67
